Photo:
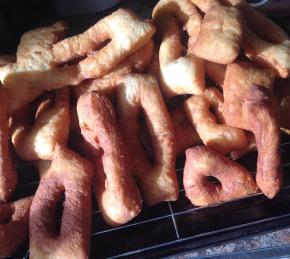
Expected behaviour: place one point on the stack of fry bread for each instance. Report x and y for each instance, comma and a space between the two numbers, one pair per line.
111, 109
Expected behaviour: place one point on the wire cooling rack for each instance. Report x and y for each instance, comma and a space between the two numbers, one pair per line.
178, 226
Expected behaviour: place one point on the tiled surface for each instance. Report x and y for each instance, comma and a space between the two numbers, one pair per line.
272, 239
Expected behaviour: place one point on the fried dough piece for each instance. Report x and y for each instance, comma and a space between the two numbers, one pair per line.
136, 62
126, 32
35, 70
14, 219
69, 174
183, 10
268, 54
185, 134
234, 181
51, 127
220, 35
179, 74
211, 126
138, 93
117, 194
216, 72
8, 176
259, 23
253, 108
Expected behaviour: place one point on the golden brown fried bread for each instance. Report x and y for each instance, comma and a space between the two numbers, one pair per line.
211, 127
126, 33
138, 93
185, 134
258, 22
117, 194
179, 74
257, 112
14, 219
51, 127
183, 10
35, 70
8, 176
106, 84
220, 35
234, 181
70, 175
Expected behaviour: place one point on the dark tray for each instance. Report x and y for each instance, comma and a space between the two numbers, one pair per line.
173, 227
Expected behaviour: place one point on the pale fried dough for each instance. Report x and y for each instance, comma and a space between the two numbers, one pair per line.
106, 84
220, 35
51, 127
137, 93
126, 33
268, 54
211, 126
179, 74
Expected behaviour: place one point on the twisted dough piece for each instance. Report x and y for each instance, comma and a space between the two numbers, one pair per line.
69, 174
51, 126
257, 21
141, 92
35, 70
220, 35
8, 176
126, 32
210, 126
185, 134
117, 194
234, 180
14, 218
179, 74
253, 108
136, 62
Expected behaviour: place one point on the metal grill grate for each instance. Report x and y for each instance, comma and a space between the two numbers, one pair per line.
175, 225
